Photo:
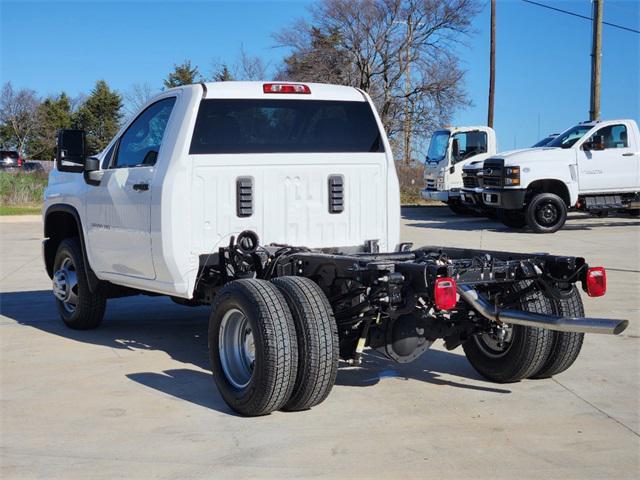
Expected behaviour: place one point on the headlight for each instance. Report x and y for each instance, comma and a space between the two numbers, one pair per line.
512, 176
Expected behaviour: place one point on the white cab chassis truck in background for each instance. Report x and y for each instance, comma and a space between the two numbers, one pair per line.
450, 149
177, 204
592, 167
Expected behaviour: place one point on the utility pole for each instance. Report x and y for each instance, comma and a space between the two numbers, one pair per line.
492, 65
596, 57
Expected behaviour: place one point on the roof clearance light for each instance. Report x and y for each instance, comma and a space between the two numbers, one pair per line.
444, 293
596, 281
285, 88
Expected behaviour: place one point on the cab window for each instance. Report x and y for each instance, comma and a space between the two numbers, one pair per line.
469, 144
140, 144
614, 136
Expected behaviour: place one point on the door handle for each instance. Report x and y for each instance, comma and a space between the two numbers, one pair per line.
141, 187
629, 154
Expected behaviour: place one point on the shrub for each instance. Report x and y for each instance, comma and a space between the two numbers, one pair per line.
411, 182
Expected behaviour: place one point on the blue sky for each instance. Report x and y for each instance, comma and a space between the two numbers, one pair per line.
543, 62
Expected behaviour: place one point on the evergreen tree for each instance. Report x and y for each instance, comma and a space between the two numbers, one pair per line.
53, 114
183, 74
223, 74
100, 116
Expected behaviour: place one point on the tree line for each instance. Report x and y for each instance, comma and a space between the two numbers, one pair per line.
403, 53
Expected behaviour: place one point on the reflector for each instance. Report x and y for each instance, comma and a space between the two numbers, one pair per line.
444, 293
596, 281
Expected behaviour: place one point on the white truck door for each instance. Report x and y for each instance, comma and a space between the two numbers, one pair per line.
611, 169
119, 209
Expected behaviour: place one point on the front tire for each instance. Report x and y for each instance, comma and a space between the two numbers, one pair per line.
523, 351
546, 213
512, 218
79, 308
252, 347
317, 335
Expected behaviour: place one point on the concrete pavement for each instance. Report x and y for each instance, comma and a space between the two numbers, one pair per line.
134, 399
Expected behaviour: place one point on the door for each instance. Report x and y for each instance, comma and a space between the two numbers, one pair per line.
119, 208
611, 169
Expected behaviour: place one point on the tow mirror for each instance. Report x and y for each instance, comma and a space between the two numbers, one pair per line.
71, 152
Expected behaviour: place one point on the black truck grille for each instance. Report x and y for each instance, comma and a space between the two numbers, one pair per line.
492, 173
470, 180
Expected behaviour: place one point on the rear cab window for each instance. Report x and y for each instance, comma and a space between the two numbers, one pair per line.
228, 126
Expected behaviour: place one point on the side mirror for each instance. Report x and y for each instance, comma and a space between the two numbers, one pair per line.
91, 164
596, 142
452, 169
455, 149
71, 153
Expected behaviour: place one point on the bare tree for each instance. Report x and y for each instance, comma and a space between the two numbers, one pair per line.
18, 115
399, 51
137, 97
250, 67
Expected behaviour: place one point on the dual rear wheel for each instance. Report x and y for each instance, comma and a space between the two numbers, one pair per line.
515, 352
273, 345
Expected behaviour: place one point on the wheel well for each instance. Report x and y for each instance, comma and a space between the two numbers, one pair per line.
58, 225
556, 187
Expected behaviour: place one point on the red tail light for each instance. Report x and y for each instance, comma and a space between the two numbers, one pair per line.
444, 293
19, 161
285, 88
596, 281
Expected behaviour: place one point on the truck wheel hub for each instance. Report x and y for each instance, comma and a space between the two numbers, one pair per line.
497, 343
547, 214
65, 285
237, 348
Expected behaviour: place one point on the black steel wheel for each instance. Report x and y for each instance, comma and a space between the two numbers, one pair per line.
546, 213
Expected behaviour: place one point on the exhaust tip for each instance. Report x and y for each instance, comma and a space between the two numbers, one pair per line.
621, 327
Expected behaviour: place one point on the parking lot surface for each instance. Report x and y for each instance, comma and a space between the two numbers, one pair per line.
135, 398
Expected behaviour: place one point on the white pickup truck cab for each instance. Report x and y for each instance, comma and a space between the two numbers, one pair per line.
204, 162
178, 202
450, 149
593, 167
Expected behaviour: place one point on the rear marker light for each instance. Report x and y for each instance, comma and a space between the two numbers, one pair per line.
596, 281
444, 293
285, 88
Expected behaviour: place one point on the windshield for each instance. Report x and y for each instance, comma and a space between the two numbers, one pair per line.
285, 126
570, 137
438, 146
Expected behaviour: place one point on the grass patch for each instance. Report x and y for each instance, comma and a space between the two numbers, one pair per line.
22, 189
20, 210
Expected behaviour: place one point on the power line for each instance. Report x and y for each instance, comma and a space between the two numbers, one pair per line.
621, 27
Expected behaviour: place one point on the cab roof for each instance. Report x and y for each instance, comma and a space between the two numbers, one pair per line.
255, 90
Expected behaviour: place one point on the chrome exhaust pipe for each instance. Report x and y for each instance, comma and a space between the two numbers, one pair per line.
531, 319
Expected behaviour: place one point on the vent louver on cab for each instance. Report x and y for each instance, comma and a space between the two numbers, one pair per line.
336, 194
244, 196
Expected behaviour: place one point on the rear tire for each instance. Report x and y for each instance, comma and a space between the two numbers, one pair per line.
512, 218
252, 347
79, 308
526, 352
546, 213
566, 345
317, 335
